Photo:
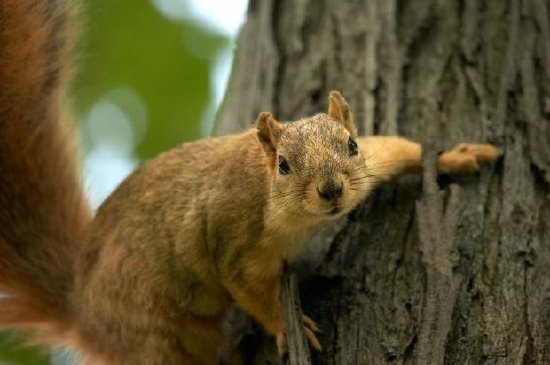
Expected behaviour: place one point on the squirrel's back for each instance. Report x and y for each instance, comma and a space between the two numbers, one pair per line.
197, 191
43, 211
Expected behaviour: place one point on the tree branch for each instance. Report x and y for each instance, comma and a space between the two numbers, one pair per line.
296, 344
436, 228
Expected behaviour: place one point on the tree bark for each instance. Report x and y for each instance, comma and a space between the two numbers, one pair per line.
458, 274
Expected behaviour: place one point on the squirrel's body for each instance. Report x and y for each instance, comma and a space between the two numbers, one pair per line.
164, 245
151, 277
183, 245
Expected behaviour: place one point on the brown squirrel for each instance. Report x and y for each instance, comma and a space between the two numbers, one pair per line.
149, 279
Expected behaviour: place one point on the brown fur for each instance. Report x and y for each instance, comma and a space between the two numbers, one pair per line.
150, 279
43, 212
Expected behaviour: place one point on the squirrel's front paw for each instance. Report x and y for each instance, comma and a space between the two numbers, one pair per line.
466, 158
310, 328
280, 340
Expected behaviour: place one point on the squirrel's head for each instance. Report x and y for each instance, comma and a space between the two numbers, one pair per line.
317, 167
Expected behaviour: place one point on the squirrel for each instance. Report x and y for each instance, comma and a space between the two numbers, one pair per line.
150, 277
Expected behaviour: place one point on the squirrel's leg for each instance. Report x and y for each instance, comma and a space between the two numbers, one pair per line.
387, 156
260, 298
128, 330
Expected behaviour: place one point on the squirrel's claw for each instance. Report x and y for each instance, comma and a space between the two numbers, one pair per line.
313, 341
310, 328
310, 323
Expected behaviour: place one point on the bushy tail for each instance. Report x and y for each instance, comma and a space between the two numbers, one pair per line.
42, 208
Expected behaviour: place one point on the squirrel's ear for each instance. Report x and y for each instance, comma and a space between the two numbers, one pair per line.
338, 109
269, 131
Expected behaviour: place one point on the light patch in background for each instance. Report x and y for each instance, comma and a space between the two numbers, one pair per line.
112, 139
220, 16
64, 356
224, 17
219, 77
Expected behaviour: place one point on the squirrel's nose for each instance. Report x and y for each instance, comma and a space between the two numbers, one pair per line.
330, 191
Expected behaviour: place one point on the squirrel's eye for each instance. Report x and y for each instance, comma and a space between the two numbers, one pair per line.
352, 147
284, 169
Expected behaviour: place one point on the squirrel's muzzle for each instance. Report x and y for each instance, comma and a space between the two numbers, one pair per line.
331, 190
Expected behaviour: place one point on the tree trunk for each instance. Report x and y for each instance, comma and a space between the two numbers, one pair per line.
454, 272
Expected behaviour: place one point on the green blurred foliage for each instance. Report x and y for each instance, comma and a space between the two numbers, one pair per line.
12, 352
129, 44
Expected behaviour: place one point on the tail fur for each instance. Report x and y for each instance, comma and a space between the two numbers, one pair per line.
43, 211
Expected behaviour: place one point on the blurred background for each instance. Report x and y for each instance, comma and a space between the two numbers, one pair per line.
151, 75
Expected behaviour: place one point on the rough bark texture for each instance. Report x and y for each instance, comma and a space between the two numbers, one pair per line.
465, 277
